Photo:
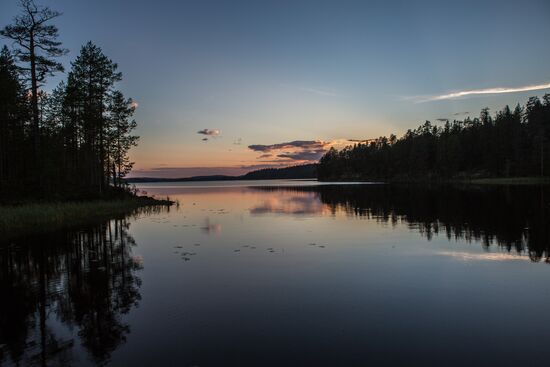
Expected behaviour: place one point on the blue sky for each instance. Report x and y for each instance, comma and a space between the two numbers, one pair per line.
273, 72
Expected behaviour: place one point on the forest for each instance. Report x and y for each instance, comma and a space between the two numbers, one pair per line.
293, 172
512, 143
72, 142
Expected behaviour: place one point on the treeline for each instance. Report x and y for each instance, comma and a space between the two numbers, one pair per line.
72, 142
293, 172
509, 144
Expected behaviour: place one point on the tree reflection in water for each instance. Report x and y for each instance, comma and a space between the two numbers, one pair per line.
65, 292
55, 284
512, 217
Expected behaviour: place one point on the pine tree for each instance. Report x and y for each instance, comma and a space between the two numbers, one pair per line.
13, 117
120, 139
91, 81
36, 47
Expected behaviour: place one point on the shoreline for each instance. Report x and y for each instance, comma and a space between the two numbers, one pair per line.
39, 217
467, 181
474, 181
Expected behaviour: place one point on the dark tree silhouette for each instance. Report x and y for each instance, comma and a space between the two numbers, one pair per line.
89, 89
119, 139
36, 48
13, 127
71, 143
512, 143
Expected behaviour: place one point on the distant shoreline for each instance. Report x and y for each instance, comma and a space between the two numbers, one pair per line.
306, 171
208, 178
473, 181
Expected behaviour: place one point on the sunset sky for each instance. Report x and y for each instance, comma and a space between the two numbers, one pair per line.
225, 87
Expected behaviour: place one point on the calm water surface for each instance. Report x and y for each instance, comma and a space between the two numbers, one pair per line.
288, 273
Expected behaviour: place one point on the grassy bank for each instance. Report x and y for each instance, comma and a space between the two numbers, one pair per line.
511, 181
30, 218
487, 181
436, 180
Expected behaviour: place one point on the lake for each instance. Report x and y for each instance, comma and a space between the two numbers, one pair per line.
288, 273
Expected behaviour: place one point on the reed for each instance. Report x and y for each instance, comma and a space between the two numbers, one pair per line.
46, 216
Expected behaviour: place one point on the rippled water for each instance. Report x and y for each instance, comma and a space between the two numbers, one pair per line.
288, 273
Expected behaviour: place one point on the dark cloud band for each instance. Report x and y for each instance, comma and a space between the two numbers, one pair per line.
209, 132
303, 144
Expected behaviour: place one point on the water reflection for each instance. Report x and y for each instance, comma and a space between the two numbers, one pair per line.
210, 227
512, 217
316, 275
67, 290
294, 202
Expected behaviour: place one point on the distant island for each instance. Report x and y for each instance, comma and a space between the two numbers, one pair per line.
294, 172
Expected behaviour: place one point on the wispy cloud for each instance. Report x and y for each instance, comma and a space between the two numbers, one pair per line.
209, 132
473, 92
318, 91
322, 92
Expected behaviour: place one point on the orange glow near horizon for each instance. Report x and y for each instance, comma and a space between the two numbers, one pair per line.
219, 157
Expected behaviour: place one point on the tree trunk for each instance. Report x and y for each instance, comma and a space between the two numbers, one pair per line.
115, 181
35, 113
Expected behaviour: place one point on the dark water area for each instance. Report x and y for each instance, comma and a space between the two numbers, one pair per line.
288, 273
